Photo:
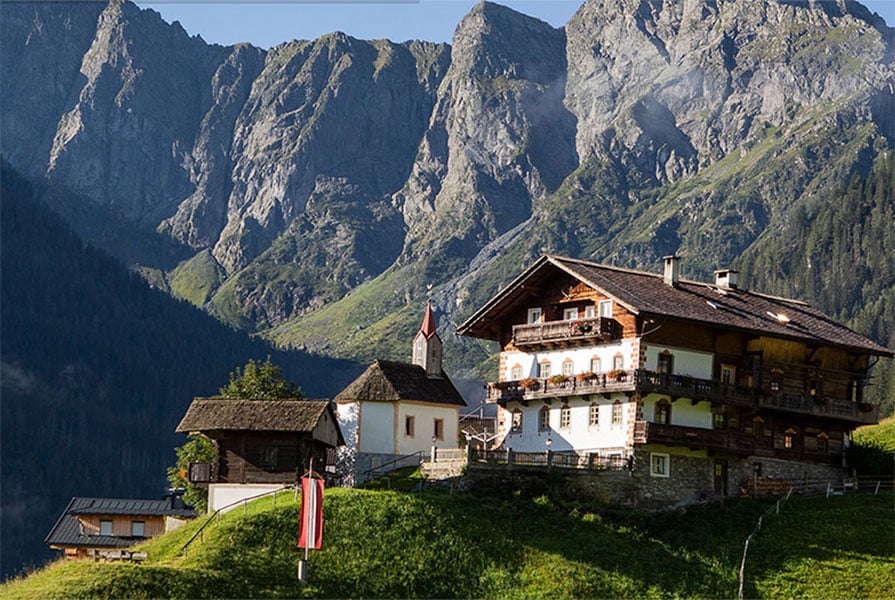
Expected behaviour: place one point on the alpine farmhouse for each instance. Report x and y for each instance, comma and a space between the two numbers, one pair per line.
677, 391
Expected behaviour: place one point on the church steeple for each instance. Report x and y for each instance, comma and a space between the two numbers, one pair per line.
427, 345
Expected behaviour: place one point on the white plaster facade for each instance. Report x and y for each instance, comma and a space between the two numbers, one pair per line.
626, 351
221, 495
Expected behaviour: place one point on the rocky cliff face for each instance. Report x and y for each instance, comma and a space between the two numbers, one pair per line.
340, 175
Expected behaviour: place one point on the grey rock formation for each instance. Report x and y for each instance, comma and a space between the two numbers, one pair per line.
641, 128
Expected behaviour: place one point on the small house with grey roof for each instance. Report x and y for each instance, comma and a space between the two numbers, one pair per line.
695, 389
89, 526
395, 413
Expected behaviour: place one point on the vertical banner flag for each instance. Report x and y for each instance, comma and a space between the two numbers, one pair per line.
310, 527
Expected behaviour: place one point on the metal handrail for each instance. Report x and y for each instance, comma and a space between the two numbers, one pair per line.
399, 459
212, 516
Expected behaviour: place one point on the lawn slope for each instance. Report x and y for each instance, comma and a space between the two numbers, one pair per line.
436, 545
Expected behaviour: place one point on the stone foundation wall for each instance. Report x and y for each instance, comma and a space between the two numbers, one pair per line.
690, 480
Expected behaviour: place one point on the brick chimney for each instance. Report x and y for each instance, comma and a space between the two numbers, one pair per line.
672, 270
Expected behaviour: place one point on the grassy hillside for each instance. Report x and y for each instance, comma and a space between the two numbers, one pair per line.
435, 545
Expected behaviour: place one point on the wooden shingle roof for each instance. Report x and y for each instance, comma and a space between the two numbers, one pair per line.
648, 294
226, 414
386, 381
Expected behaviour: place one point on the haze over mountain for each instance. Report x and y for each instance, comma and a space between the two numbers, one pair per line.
320, 191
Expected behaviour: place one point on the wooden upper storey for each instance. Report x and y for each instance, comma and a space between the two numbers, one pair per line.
696, 315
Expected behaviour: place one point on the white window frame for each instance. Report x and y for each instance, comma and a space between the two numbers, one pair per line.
618, 414
570, 314
516, 373
590, 312
606, 309
565, 417
568, 367
516, 424
534, 315
544, 419
545, 369
596, 365
659, 464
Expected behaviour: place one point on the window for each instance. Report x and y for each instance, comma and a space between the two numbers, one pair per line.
544, 370
758, 426
618, 362
822, 444
438, 429
568, 367
516, 373
776, 381
105, 527
565, 417
569, 314
269, 456
788, 438
663, 412
728, 374
544, 419
665, 362
594, 419
517, 420
534, 315
409, 426
719, 421
617, 413
595, 365
659, 465
606, 309
590, 312
138, 528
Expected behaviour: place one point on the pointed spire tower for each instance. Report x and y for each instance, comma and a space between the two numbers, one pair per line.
427, 345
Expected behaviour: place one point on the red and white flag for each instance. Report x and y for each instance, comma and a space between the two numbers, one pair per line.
310, 525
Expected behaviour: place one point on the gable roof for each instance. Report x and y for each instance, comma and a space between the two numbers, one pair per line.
647, 294
227, 414
386, 381
67, 530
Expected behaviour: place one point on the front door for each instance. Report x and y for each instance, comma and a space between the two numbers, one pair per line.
720, 477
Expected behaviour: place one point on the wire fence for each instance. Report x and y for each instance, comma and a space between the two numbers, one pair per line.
868, 485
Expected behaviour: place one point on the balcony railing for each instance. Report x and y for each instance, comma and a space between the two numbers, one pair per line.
676, 386
562, 460
737, 442
559, 333
853, 411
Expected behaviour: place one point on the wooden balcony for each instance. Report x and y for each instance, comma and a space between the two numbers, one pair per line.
850, 411
533, 389
735, 442
556, 334
677, 386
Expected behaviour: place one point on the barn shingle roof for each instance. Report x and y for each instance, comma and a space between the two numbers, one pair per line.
386, 381
647, 293
227, 414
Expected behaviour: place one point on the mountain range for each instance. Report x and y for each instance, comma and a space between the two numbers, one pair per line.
319, 192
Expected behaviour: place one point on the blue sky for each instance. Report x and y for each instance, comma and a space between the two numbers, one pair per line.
269, 23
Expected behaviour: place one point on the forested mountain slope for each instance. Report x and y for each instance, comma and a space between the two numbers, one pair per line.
97, 369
